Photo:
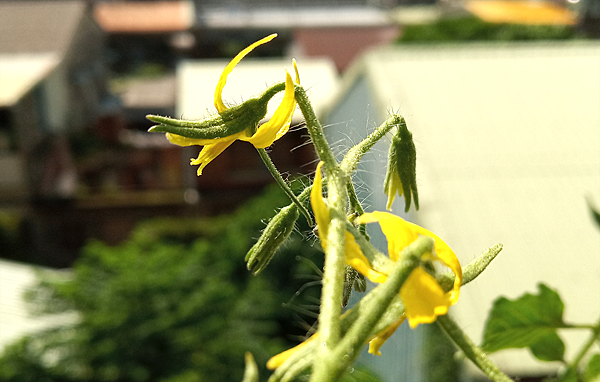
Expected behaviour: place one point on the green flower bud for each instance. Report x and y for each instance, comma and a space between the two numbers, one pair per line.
275, 234
401, 174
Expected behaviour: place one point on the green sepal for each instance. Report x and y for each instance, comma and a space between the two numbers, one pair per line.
233, 120
224, 124
275, 234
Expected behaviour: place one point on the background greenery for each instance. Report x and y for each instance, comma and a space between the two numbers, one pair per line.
174, 303
471, 28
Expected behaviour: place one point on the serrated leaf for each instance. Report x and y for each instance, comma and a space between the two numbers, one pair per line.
592, 370
529, 321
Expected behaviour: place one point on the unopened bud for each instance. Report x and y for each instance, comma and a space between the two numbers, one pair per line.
401, 174
275, 234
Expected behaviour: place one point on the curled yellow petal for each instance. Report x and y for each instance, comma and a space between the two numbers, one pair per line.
398, 232
184, 141
296, 70
319, 206
380, 338
210, 152
279, 124
357, 260
392, 186
423, 298
223, 79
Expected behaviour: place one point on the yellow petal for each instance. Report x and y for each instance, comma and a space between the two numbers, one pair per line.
447, 256
279, 124
393, 185
296, 70
210, 152
423, 298
379, 339
399, 232
319, 207
357, 260
280, 358
184, 141
223, 79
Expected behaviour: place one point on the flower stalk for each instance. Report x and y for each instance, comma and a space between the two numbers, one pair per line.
471, 351
283, 184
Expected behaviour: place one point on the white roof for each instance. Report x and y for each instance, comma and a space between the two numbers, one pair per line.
196, 81
508, 146
15, 318
20, 72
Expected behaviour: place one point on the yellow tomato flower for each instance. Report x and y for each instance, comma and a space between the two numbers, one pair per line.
423, 298
264, 136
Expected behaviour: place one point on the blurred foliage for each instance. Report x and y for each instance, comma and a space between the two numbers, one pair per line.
174, 303
471, 28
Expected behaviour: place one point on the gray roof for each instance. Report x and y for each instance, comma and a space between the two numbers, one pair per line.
38, 26
508, 146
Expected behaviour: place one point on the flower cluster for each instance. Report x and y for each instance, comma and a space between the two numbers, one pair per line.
423, 298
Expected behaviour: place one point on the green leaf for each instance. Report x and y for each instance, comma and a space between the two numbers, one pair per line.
548, 348
529, 321
569, 376
592, 370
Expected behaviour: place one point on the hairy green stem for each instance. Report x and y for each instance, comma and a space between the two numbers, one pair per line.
471, 351
333, 279
354, 155
356, 206
359, 333
283, 184
315, 129
334, 267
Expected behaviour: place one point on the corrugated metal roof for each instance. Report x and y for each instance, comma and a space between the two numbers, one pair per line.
508, 145
145, 16
20, 72
15, 319
196, 81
